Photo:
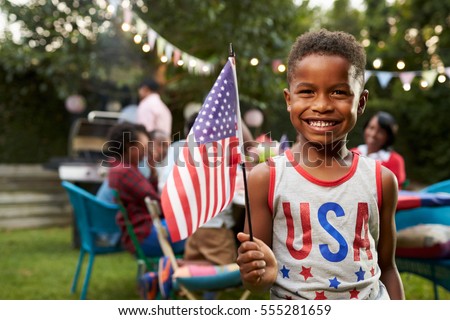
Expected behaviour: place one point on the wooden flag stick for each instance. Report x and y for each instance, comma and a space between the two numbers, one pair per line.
247, 203
241, 144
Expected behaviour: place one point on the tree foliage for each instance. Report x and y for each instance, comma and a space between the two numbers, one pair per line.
79, 47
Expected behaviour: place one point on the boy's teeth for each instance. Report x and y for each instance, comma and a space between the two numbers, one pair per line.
321, 123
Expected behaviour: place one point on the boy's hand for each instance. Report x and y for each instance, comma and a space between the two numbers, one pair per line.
257, 263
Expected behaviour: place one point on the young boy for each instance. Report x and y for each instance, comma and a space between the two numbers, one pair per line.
129, 145
323, 217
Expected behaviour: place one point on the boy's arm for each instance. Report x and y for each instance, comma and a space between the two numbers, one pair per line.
387, 242
256, 260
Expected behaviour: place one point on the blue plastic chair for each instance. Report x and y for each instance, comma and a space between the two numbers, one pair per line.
99, 233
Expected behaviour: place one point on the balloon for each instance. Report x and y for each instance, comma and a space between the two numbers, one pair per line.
75, 103
254, 118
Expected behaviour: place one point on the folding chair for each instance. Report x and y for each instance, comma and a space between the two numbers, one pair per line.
191, 285
144, 262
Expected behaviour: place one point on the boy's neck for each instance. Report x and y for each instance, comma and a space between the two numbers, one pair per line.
323, 161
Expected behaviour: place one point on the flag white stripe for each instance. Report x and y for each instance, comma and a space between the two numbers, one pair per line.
219, 177
176, 206
227, 158
212, 184
198, 161
188, 187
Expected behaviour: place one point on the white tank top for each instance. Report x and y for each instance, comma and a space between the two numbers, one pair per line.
325, 233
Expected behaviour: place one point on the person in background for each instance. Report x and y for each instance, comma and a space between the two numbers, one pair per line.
322, 216
379, 136
129, 144
150, 166
152, 112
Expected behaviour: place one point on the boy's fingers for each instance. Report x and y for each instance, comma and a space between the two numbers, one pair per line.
250, 256
243, 237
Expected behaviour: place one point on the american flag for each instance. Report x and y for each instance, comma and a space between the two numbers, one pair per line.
202, 181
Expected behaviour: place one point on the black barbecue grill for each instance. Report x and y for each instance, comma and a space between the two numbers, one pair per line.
85, 144
82, 165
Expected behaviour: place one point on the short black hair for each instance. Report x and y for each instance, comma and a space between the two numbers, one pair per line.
387, 122
326, 42
157, 134
122, 136
150, 83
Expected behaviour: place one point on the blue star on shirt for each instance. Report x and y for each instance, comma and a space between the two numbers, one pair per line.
360, 274
334, 283
285, 272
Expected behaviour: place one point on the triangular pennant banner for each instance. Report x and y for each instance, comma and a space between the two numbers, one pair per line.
160, 45
141, 27
127, 15
430, 76
384, 77
168, 51
447, 72
407, 77
176, 56
367, 75
151, 38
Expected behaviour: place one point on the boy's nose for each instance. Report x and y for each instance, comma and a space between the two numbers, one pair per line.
322, 104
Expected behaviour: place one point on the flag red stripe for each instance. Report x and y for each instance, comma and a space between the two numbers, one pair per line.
169, 215
205, 168
192, 172
216, 168
181, 188
225, 169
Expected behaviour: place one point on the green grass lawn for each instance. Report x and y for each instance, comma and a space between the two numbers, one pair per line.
40, 264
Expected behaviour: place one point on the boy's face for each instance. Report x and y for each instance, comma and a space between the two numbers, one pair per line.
324, 99
138, 149
158, 148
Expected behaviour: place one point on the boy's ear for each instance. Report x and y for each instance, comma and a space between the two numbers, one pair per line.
363, 101
287, 98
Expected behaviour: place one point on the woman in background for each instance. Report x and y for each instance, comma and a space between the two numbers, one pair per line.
379, 136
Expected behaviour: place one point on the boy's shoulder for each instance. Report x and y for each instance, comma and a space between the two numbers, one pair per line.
280, 156
363, 161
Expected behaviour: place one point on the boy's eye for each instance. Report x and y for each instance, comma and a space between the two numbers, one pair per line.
339, 92
306, 91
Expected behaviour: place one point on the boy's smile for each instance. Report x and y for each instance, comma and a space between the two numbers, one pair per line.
321, 98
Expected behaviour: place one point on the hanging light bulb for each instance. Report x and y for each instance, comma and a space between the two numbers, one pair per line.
377, 63
137, 38
126, 27
401, 65
254, 62
423, 83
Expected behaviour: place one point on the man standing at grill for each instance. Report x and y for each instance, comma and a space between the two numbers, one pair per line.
152, 112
